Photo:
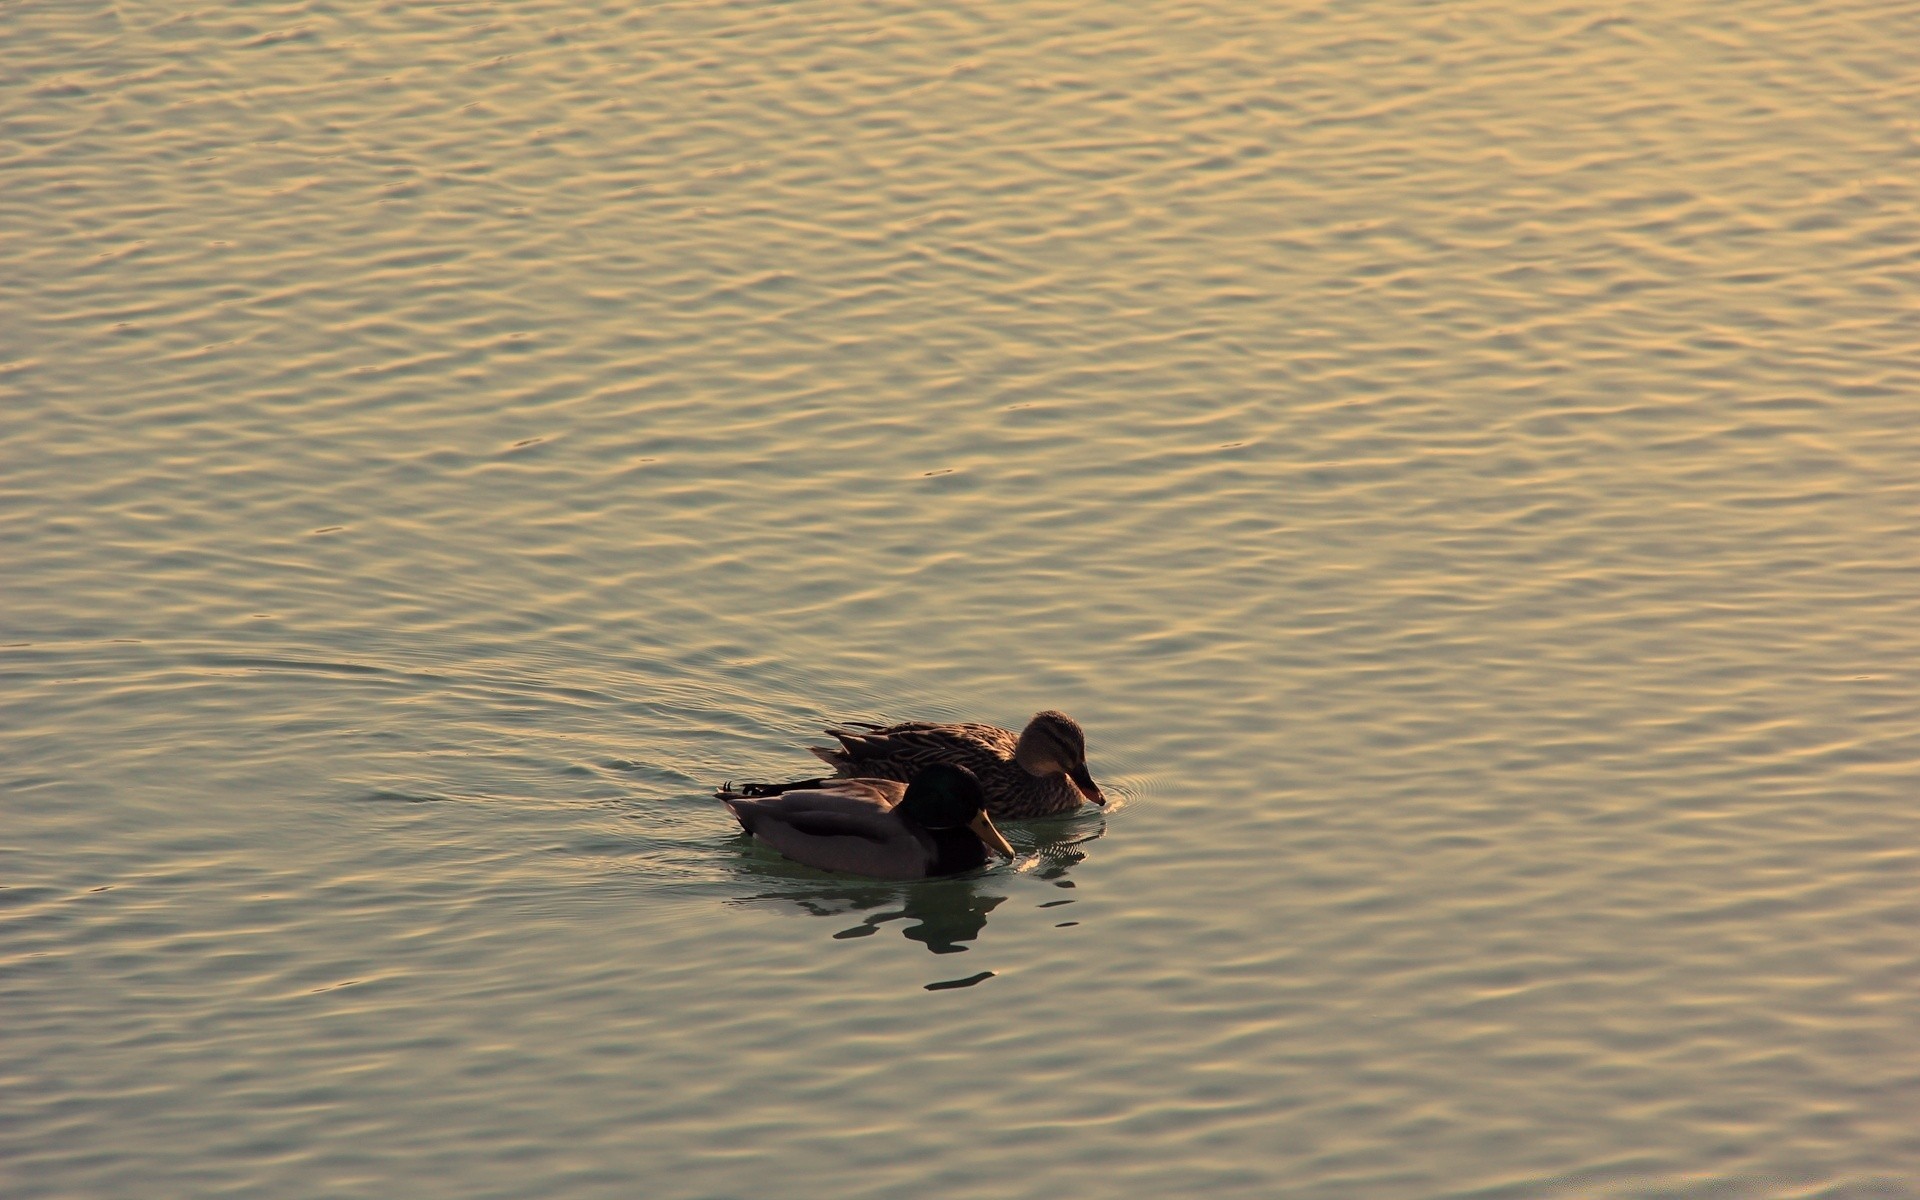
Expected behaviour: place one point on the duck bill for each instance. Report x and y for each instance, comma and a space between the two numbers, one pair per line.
1085, 783
983, 825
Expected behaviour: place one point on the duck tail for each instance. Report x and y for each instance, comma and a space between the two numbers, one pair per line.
760, 791
731, 791
734, 804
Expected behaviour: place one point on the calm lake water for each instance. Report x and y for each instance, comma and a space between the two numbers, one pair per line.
1461, 463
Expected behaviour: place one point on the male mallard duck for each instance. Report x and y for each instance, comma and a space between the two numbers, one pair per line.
1041, 772
935, 825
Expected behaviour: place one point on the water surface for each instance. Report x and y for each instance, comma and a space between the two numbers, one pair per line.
1457, 461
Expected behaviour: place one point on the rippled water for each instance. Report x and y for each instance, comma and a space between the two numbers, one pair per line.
1459, 462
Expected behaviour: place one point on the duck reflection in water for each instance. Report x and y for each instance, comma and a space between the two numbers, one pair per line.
944, 915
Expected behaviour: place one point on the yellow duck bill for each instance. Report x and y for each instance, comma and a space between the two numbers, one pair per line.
991, 835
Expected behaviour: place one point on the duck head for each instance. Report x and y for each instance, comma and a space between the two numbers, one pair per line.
945, 796
1053, 744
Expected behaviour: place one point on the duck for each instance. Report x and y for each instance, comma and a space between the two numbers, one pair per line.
1039, 772
936, 824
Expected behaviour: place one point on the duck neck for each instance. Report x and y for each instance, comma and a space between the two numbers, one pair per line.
955, 850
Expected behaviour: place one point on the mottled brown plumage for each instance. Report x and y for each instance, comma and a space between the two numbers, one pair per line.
1036, 773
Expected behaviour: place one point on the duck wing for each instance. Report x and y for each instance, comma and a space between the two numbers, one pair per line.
854, 797
851, 829
901, 750
884, 792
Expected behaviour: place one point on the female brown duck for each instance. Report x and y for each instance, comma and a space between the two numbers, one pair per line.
1037, 773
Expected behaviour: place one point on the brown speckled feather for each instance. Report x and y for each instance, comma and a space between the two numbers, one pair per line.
897, 751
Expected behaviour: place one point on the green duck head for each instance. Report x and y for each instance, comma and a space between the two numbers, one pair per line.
945, 796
